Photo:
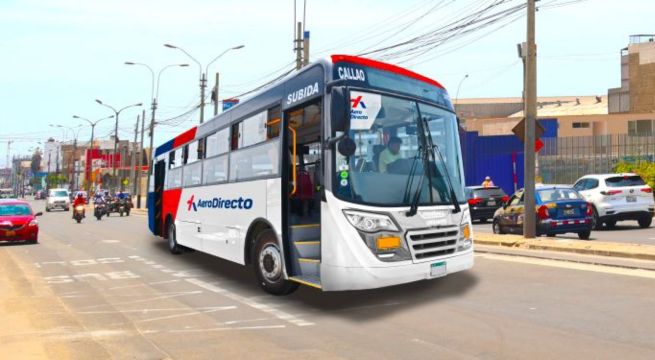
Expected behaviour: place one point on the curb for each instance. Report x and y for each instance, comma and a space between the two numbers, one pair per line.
620, 250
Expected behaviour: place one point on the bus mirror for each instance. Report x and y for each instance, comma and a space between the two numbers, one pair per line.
340, 109
347, 146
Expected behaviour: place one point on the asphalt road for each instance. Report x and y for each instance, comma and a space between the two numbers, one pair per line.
108, 289
624, 232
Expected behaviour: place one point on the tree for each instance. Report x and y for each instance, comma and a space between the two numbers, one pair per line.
36, 161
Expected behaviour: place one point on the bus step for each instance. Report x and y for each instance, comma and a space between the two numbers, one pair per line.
309, 266
305, 232
309, 280
308, 249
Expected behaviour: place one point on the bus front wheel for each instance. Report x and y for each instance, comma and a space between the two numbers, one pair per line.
172, 240
269, 266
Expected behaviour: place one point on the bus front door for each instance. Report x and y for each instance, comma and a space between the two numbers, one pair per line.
160, 174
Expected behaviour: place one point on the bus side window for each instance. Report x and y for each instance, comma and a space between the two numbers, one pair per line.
273, 122
171, 159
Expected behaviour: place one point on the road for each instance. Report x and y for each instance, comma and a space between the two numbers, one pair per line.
108, 289
624, 232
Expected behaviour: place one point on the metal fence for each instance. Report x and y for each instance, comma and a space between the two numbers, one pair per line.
564, 160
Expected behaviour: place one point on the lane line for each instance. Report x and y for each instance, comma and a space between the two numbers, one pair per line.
186, 314
262, 327
259, 306
648, 274
145, 300
143, 311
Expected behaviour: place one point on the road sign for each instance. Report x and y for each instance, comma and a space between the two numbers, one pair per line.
519, 130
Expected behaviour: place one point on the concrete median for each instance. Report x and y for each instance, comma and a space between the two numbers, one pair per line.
631, 251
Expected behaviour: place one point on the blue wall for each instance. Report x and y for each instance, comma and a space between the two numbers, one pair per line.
492, 156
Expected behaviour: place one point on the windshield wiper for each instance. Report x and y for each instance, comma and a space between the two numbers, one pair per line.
417, 194
453, 197
412, 173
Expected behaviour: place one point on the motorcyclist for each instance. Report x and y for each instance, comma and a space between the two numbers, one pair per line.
79, 201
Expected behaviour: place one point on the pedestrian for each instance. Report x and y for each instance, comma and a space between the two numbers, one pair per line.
487, 183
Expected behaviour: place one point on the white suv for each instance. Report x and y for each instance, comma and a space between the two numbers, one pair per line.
57, 198
617, 197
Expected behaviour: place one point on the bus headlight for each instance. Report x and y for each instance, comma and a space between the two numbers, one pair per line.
369, 222
465, 238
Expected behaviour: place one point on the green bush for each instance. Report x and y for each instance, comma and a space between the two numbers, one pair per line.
645, 169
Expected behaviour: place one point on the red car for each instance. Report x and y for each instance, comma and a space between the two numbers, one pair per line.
18, 221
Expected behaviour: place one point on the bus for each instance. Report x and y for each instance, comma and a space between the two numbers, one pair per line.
344, 175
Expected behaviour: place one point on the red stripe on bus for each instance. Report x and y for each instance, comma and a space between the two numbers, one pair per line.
384, 66
170, 203
185, 137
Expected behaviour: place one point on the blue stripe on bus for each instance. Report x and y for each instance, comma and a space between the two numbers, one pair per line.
165, 147
150, 203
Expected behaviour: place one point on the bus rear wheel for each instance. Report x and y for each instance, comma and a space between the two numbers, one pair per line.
269, 266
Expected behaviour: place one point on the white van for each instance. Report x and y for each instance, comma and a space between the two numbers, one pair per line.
58, 198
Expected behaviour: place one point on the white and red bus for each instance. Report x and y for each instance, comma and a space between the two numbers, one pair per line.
344, 175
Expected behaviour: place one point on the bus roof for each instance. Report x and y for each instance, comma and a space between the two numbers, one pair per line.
318, 72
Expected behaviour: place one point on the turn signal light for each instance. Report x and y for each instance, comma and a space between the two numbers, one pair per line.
542, 213
611, 192
590, 209
387, 242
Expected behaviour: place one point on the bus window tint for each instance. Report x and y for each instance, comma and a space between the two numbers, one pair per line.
254, 162
192, 152
215, 169
192, 174
218, 143
174, 178
254, 130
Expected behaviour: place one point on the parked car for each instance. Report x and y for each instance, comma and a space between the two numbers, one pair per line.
618, 197
560, 209
18, 221
40, 195
484, 201
57, 199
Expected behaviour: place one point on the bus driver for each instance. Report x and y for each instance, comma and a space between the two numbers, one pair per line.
390, 154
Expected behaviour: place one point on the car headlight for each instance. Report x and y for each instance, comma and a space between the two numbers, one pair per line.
368, 222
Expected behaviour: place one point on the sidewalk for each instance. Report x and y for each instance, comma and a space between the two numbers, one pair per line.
619, 250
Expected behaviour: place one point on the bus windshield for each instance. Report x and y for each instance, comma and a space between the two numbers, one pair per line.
394, 159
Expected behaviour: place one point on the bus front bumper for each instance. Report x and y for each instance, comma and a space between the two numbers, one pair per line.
337, 278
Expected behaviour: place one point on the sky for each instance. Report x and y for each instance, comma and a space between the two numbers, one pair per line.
58, 56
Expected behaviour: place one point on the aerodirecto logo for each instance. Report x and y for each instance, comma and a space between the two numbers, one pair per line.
219, 203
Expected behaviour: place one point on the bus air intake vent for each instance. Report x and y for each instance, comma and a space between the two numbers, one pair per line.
432, 243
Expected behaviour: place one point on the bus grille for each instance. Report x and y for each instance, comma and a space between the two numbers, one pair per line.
432, 243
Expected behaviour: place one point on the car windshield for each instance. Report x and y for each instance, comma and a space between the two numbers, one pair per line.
621, 181
15, 210
59, 193
391, 154
558, 194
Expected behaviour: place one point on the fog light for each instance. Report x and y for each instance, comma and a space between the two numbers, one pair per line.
465, 245
387, 242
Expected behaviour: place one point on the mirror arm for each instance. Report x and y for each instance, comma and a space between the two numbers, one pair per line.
333, 83
329, 142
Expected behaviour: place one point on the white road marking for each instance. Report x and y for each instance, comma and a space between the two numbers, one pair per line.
110, 241
184, 293
147, 311
572, 265
263, 327
259, 306
188, 314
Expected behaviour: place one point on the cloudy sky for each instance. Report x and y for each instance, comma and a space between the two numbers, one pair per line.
57, 56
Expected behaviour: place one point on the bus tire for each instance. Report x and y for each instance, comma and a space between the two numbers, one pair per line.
269, 266
173, 246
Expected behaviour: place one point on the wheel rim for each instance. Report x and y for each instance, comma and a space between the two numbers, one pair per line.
270, 262
496, 228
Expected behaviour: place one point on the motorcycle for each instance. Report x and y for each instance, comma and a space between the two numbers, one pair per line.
124, 206
78, 213
99, 210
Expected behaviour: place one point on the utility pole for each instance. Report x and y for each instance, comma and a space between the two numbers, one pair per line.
133, 157
139, 161
298, 48
530, 86
8, 151
216, 94
203, 85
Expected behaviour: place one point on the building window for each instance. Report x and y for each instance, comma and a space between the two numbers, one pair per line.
580, 125
640, 127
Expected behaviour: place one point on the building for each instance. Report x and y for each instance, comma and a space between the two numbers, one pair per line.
637, 91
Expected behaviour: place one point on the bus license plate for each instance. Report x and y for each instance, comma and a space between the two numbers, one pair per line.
631, 198
438, 269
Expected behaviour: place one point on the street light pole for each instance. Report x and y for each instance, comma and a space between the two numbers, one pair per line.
203, 75
90, 147
458, 87
154, 96
116, 113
